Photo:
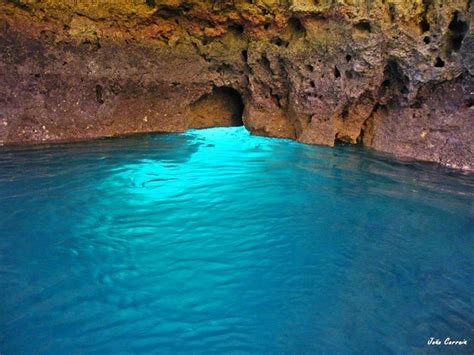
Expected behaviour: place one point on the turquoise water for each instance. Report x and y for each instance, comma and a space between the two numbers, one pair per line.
215, 241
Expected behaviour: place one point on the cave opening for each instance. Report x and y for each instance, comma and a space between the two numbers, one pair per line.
223, 107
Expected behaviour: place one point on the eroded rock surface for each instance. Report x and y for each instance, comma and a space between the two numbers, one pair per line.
390, 74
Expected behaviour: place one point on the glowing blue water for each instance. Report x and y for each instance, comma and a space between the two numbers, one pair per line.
216, 241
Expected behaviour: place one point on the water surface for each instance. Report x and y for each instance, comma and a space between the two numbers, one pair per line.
215, 241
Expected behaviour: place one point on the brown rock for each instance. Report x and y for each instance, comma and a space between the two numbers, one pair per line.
395, 76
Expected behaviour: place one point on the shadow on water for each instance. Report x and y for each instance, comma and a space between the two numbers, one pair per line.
49, 159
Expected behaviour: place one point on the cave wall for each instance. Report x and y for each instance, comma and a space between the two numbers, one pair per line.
390, 74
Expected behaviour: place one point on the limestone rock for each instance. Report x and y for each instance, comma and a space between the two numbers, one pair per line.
393, 75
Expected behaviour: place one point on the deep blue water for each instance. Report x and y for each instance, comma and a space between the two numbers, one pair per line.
215, 241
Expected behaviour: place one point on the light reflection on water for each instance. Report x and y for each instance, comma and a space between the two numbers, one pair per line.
216, 241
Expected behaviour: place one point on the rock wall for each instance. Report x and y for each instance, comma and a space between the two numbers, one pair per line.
395, 75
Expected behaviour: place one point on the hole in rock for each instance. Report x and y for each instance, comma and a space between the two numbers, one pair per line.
427, 40
295, 25
280, 42
337, 73
424, 25
237, 27
392, 11
310, 67
278, 101
345, 113
223, 107
394, 77
348, 57
458, 30
99, 92
265, 63
363, 26
245, 55
166, 11
439, 63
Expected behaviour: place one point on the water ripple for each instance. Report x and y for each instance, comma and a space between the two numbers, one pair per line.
215, 241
